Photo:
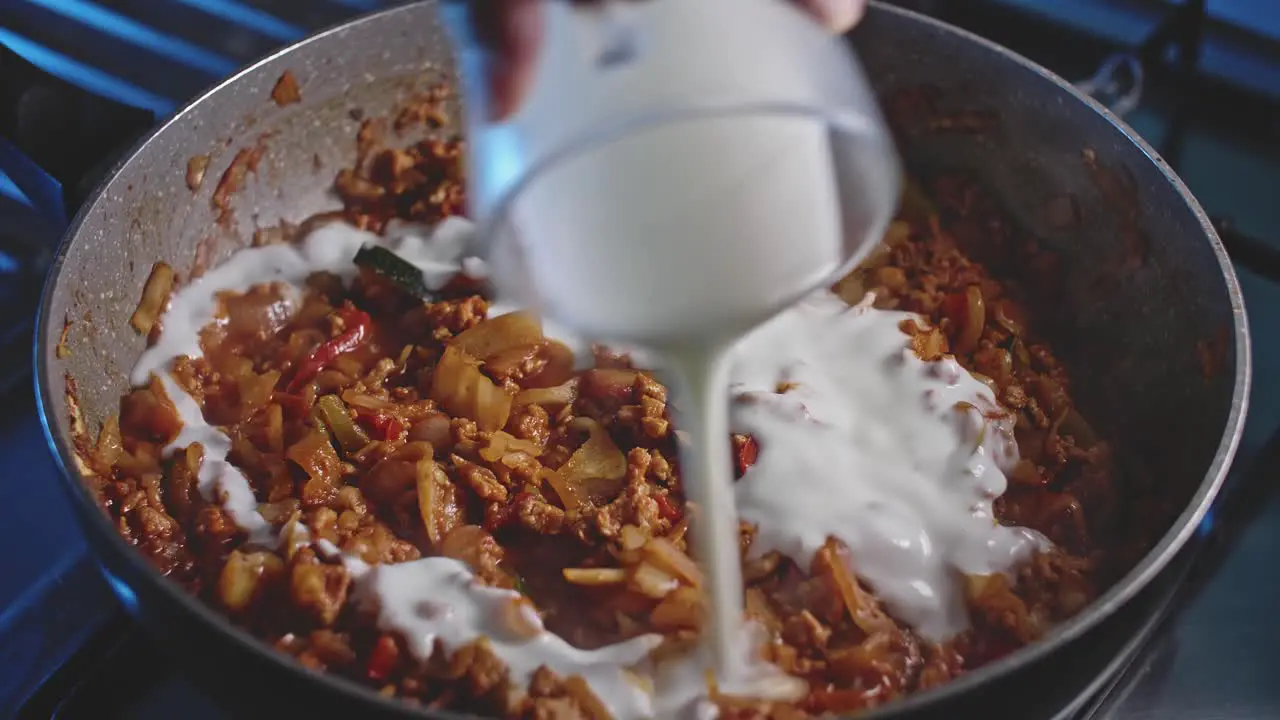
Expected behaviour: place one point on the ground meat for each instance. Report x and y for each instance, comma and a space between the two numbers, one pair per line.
531, 422
538, 515
481, 480
478, 549
491, 483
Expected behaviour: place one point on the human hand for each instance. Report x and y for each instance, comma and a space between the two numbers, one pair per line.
511, 32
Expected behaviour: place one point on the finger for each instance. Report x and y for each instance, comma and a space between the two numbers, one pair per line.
838, 15
511, 30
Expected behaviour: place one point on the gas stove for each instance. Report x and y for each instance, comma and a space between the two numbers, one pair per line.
1196, 644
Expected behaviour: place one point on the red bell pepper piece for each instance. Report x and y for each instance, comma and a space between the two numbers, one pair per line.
357, 323
745, 454
386, 427
383, 658
667, 508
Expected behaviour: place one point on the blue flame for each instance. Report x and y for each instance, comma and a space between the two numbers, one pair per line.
11, 191
143, 36
361, 5
86, 77
250, 17
128, 598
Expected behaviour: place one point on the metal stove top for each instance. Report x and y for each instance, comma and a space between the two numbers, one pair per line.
1201, 653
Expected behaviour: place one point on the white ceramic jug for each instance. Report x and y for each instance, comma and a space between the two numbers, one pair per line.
680, 167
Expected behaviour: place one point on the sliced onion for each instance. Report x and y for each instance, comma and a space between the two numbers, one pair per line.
652, 581
437, 501
275, 428
495, 335
609, 384
667, 557
571, 496
971, 316
462, 390
681, 608
1009, 316
866, 614
110, 445
559, 367
508, 361
315, 455
502, 444
550, 397
595, 576
366, 401
598, 459
259, 313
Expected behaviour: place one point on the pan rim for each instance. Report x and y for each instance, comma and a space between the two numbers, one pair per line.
63, 450
1118, 595
1188, 521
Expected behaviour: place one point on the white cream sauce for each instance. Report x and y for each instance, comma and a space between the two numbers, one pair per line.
439, 599
440, 254
218, 478
871, 445
867, 446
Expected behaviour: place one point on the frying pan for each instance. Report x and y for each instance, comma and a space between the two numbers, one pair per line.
1148, 314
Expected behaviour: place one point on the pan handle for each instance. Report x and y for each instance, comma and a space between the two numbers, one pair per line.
56, 138
1117, 83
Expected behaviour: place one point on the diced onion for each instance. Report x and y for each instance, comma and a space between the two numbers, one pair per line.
155, 295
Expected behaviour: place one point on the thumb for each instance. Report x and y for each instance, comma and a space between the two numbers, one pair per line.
838, 15
497, 42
